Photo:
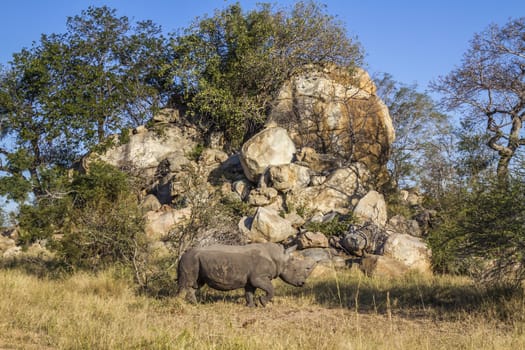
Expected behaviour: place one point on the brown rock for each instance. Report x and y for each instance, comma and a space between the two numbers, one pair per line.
312, 240
288, 177
383, 266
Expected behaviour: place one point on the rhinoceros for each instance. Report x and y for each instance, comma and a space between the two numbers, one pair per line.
251, 266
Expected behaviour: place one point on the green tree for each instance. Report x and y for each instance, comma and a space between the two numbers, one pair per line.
419, 151
68, 92
474, 159
27, 130
488, 87
115, 70
229, 67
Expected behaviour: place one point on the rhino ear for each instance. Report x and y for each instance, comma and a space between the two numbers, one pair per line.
290, 249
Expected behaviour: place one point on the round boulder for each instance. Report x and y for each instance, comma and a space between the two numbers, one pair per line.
272, 146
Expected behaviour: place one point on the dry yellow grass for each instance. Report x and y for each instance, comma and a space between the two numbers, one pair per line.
347, 312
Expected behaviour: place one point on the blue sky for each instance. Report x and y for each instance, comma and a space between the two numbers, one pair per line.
414, 40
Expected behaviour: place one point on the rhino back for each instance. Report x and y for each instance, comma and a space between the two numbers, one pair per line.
232, 269
272, 251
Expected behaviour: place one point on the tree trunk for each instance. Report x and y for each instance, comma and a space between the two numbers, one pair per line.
503, 166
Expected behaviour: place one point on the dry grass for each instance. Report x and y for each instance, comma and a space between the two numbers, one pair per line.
347, 312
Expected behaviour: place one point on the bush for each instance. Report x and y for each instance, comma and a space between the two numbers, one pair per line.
94, 223
482, 228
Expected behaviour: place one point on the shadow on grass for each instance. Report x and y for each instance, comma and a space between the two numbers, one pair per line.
208, 296
413, 295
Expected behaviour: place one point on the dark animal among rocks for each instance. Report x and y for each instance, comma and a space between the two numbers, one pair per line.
251, 266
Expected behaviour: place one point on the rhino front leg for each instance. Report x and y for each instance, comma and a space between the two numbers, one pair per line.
249, 292
266, 285
187, 294
190, 295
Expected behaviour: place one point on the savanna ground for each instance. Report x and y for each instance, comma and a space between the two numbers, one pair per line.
341, 310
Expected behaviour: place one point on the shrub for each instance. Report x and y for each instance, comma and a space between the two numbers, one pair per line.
483, 228
93, 223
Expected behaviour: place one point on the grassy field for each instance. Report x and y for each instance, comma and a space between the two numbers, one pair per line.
342, 310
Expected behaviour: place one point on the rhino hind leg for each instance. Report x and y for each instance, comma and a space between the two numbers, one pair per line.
249, 293
266, 285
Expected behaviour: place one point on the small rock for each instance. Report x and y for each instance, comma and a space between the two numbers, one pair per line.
312, 240
259, 197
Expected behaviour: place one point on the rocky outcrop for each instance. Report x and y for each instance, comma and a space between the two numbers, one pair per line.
337, 112
147, 151
321, 157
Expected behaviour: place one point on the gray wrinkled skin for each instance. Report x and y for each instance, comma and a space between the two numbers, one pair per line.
250, 267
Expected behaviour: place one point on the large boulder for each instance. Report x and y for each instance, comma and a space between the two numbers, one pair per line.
269, 226
351, 180
6, 243
337, 112
159, 223
271, 146
310, 240
383, 266
410, 250
319, 200
372, 208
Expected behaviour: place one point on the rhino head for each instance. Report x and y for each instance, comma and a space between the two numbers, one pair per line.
296, 271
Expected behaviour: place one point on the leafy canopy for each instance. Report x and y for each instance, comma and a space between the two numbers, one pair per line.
68, 92
230, 67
